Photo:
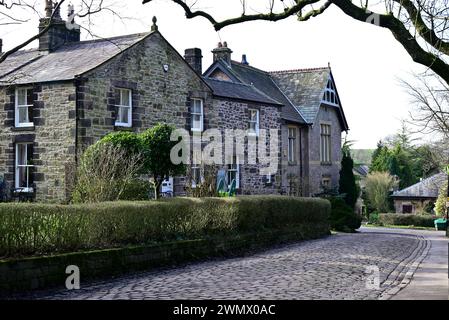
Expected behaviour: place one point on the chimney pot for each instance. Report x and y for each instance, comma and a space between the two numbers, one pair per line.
222, 52
48, 8
244, 61
1, 45
59, 32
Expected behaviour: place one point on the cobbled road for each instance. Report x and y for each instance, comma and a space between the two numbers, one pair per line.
334, 267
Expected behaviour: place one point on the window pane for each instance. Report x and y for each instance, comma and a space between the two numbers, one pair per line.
125, 98
21, 97
22, 177
253, 115
197, 106
29, 153
21, 154
252, 126
196, 121
23, 115
124, 115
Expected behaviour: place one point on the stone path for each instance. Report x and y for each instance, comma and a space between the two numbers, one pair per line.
430, 281
334, 267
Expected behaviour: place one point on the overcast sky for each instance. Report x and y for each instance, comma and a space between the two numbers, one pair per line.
366, 60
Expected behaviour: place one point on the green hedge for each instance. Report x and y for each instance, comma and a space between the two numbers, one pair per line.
36, 229
401, 219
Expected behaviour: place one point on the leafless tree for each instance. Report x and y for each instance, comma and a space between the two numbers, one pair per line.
420, 26
22, 11
430, 98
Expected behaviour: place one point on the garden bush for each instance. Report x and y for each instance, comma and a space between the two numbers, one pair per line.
343, 217
401, 219
136, 190
36, 229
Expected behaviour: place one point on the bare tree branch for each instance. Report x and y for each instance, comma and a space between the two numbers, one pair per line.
406, 19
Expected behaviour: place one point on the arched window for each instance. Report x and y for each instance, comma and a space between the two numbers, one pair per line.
330, 96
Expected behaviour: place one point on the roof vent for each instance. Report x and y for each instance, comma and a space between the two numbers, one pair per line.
244, 61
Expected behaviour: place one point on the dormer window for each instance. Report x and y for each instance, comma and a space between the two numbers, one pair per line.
330, 95
24, 107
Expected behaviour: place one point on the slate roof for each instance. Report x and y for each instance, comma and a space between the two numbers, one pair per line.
427, 188
304, 88
65, 63
239, 91
263, 82
362, 170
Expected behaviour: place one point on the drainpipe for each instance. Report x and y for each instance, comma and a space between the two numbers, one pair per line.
301, 162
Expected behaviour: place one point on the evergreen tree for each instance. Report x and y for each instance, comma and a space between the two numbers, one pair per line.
348, 186
380, 158
440, 204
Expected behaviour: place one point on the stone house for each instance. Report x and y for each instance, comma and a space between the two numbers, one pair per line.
312, 119
417, 197
66, 94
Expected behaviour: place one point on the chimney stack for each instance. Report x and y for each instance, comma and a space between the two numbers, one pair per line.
194, 57
222, 52
60, 31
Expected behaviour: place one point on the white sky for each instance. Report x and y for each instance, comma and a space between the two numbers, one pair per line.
366, 60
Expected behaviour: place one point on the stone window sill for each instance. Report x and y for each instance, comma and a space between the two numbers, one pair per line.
31, 128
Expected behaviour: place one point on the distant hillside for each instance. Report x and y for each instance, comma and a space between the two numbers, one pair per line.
362, 156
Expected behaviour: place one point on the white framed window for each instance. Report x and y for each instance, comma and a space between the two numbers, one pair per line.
24, 166
196, 175
197, 115
124, 108
233, 173
325, 143
326, 182
23, 107
268, 179
253, 122
291, 145
330, 95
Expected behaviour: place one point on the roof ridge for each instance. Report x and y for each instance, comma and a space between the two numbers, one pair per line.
299, 70
249, 67
140, 34
226, 81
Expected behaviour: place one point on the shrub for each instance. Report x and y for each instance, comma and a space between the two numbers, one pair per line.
33, 229
440, 205
104, 171
136, 190
400, 219
373, 218
378, 186
343, 217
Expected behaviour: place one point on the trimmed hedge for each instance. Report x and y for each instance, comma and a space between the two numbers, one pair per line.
401, 219
38, 229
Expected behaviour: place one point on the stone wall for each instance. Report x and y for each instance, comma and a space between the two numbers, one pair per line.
53, 137
418, 206
317, 170
233, 114
158, 96
25, 275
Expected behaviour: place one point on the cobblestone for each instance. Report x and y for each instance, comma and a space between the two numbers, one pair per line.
330, 268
